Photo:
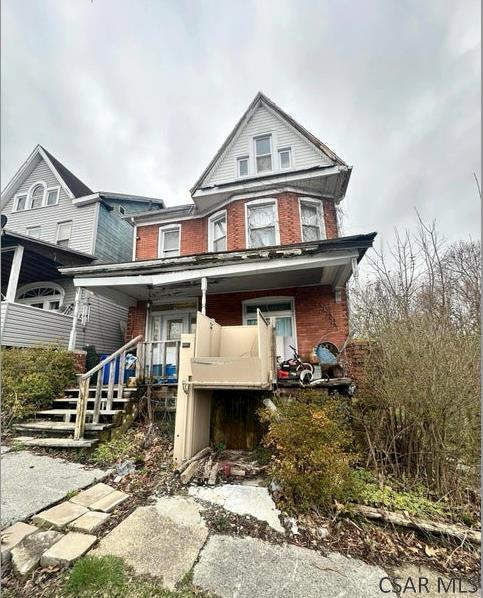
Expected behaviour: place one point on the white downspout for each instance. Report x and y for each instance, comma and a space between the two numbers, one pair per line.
204, 287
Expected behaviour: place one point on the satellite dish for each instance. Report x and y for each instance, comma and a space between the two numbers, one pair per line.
3, 220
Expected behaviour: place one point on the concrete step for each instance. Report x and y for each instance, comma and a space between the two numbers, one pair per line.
56, 442
38, 425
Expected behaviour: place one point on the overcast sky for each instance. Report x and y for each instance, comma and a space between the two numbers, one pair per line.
136, 96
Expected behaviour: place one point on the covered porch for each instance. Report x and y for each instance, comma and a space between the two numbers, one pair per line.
301, 287
33, 310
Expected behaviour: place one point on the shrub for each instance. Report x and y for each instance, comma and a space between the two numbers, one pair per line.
32, 378
127, 446
312, 446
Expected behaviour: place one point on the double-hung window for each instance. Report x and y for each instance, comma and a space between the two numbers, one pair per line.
33, 231
64, 231
311, 220
52, 196
21, 203
262, 226
242, 166
217, 232
263, 153
169, 241
285, 158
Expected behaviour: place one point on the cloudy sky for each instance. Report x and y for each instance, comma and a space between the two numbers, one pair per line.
137, 95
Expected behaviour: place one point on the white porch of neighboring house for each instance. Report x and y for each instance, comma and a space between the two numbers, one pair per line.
174, 289
32, 311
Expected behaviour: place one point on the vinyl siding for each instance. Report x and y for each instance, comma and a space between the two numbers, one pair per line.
47, 217
304, 155
114, 235
103, 330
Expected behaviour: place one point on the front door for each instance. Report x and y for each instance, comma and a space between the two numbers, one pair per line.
281, 310
166, 330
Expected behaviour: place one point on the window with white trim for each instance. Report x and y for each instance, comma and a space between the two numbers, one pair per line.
37, 196
21, 203
262, 226
169, 241
263, 153
64, 231
33, 231
44, 295
52, 196
242, 166
281, 309
311, 220
217, 232
285, 158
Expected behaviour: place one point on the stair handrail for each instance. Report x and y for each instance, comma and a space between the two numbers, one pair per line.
84, 385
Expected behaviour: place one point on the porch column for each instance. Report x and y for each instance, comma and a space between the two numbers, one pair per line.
204, 287
73, 331
14, 274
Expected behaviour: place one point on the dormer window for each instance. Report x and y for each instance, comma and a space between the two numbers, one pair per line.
37, 196
263, 153
285, 158
242, 164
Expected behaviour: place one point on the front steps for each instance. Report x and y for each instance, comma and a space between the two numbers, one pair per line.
55, 427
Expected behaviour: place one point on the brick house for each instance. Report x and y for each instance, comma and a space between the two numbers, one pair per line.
261, 231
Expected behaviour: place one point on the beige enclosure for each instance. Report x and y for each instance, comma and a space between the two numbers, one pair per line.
226, 357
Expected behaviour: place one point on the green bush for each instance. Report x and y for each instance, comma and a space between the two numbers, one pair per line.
127, 446
32, 378
312, 450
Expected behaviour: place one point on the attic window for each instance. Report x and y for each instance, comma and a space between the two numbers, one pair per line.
263, 153
285, 158
52, 196
122, 210
37, 196
242, 166
21, 203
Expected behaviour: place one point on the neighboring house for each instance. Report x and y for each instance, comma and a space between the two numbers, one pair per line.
53, 219
261, 232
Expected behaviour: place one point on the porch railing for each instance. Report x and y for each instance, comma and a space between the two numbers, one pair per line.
158, 360
85, 383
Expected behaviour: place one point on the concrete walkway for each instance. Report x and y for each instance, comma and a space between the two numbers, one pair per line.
30, 483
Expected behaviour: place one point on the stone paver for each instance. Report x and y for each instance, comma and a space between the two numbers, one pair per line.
109, 502
30, 483
26, 556
13, 535
246, 567
88, 497
153, 544
60, 515
243, 500
71, 547
181, 510
88, 522
429, 583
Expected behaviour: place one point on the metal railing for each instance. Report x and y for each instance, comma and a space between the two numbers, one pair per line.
158, 360
85, 382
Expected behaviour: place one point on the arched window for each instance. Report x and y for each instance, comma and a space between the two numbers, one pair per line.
37, 195
44, 295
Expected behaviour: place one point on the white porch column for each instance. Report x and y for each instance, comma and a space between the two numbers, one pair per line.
204, 287
14, 274
75, 320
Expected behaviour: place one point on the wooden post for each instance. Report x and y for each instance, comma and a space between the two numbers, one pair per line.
122, 368
80, 418
110, 388
14, 274
75, 319
98, 396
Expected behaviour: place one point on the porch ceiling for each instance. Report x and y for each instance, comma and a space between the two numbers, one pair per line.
334, 270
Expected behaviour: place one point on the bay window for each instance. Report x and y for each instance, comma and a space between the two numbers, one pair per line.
311, 220
217, 232
262, 223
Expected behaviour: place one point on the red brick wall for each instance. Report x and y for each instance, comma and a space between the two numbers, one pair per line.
136, 320
318, 317
194, 233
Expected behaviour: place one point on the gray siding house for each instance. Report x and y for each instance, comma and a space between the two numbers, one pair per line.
51, 219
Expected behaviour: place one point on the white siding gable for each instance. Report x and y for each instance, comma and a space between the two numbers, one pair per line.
47, 217
263, 121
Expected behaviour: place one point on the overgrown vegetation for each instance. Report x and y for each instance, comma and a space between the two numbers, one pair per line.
107, 576
313, 450
420, 411
127, 446
32, 378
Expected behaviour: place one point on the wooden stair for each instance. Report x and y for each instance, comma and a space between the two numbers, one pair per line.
55, 427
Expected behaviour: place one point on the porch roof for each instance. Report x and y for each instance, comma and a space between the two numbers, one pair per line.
328, 261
